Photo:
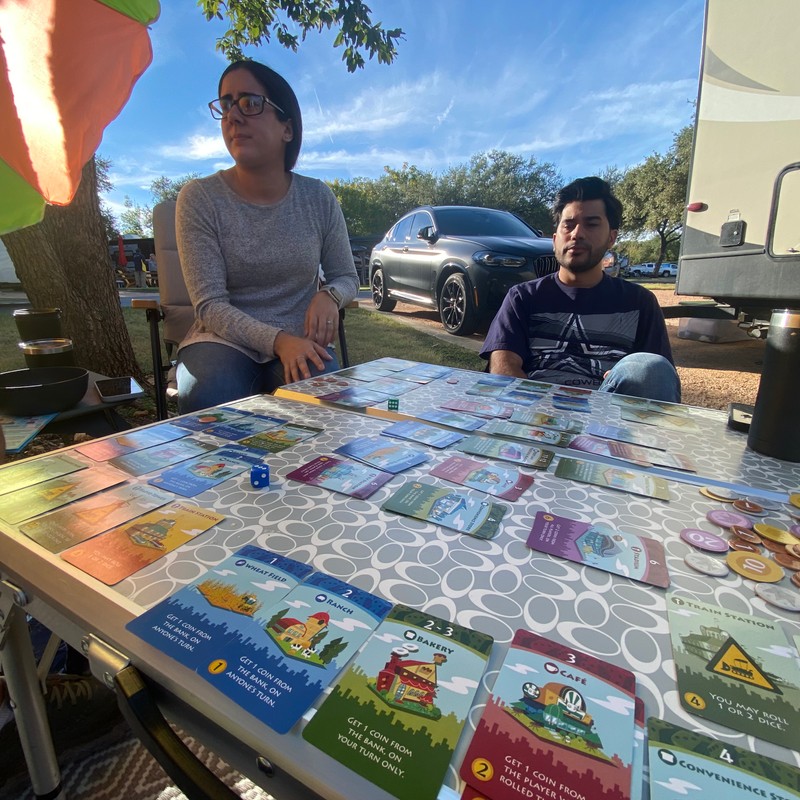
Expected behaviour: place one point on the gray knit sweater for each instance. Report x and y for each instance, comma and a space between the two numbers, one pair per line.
251, 270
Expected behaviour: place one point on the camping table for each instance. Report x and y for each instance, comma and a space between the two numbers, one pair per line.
494, 586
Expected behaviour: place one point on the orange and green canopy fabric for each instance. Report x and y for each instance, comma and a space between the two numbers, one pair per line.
67, 68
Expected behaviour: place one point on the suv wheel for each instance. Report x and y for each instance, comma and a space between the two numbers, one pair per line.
379, 298
456, 311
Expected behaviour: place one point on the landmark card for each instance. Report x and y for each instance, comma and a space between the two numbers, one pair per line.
161, 456
480, 408
463, 422
207, 419
502, 482
688, 764
384, 455
139, 439
341, 475
556, 718
547, 437
601, 546
277, 439
420, 432
534, 457
113, 556
626, 480
397, 713
461, 511
21, 474
734, 672
277, 668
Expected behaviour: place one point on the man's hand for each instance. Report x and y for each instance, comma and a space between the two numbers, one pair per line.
296, 353
506, 362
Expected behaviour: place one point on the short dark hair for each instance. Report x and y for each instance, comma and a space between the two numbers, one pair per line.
277, 89
589, 189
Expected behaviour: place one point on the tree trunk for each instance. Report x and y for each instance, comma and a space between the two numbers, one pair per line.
63, 262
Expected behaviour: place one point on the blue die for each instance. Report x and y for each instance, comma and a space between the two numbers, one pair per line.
259, 476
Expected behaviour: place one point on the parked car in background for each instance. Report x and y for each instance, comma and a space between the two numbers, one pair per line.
611, 265
460, 260
642, 270
668, 270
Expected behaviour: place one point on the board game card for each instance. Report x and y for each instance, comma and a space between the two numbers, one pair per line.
105, 449
557, 718
387, 456
277, 668
209, 418
18, 431
190, 624
79, 521
624, 435
610, 449
355, 397
423, 373
601, 546
485, 390
481, 408
534, 457
341, 475
284, 436
502, 482
541, 420
463, 422
495, 380
366, 372
460, 511
161, 456
392, 387
734, 672
566, 403
248, 426
527, 433
56, 492
688, 764
397, 713
394, 364
666, 421
626, 480
520, 397
534, 386
113, 556
414, 431
22, 474
639, 750
204, 472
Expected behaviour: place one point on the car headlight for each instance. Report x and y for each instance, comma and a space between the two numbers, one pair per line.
491, 259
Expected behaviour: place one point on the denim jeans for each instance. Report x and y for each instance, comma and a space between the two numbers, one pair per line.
644, 375
209, 374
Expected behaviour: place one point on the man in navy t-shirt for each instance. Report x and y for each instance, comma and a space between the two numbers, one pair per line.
578, 326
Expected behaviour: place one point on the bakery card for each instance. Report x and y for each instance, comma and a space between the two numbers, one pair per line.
382, 454
397, 713
547, 437
113, 556
204, 472
461, 511
424, 434
601, 546
161, 456
502, 482
626, 480
688, 764
733, 671
558, 724
534, 457
105, 449
462, 422
341, 475
277, 668
277, 439
22, 474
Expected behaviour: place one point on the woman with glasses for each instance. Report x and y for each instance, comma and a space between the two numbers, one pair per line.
251, 241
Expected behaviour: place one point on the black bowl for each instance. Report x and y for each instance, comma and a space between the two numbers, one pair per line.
42, 390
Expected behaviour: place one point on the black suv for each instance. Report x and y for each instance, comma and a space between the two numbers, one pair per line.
459, 259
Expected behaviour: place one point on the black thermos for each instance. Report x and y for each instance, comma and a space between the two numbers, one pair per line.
775, 427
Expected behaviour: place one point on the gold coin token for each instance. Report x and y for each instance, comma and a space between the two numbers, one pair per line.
794, 499
754, 566
775, 534
723, 495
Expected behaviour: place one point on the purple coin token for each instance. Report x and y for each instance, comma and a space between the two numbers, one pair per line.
726, 519
795, 530
703, 540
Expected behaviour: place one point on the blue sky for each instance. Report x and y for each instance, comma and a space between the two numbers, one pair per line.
579, 83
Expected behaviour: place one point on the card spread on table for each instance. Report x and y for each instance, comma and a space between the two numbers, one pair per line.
547, 437
394, 364
113, 556
541, 420
463, 422
423, 373
485, 390
79, 521
22, 474
277, 668
341, 475
284, 436
601, 546
733, 671
392, 387
481, 408
461, 511
192, 625
377, 452
161, 456
425, 434
666, 421
210, 417
534, 457
626, 480
502, 482
520, 397
56, 492
105, 449
397, 713
238, 429
557, 720
686, 763
631, 435
18, 431
355, 397
366, 372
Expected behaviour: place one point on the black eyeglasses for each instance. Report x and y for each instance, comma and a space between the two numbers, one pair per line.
250, 105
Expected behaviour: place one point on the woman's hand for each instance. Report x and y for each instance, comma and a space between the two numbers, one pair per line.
322, 319
296, 353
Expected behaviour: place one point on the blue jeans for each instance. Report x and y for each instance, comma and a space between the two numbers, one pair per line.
644, 375
210, 374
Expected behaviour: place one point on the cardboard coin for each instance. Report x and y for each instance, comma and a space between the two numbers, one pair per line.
740, 544
754, 566
779, 596
785, 560
746, 534
794, 499
726, 519
749, 507
703, 540
793, 550
716, 493
774, 533
773, 547
769, 505
796, 579
707, 565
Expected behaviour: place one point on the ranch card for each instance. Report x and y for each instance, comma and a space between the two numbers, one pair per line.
626, 480
277, 439
547, 437
397, 713
277, 669
387, 456
341, 475
558, 724
161, 456
534, 457
420, 432
735, 670
601, 546
502, 482
688, 764
105, 449
22, 474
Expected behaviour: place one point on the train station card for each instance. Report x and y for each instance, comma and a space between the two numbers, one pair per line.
502, 482
277, 668
547, 437
387, 456
105, 449
601, 546
626, 480
685, 763
161, 456
212, 416
22, 474
558, 724
248, 426
341, 475
79, 521
204, 472
281, 438
481, 408
192, 624
540, 419
463, 422
735, 669
113, 556
414, 431
56, 492
397, 713
534, 457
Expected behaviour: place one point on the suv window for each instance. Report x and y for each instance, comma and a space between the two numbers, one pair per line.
422, 219
402, 229
480, 222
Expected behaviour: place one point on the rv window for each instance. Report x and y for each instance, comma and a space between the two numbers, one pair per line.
785, 239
